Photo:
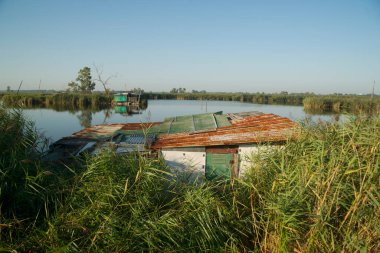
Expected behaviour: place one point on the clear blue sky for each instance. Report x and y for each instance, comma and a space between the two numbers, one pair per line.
265, 46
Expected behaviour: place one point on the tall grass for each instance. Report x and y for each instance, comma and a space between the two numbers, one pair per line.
58, 100
29, 190
258, 98
339, 104
312, 103
132, 204
18, 150
319, 193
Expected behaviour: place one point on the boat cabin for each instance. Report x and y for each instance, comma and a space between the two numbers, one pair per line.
214, 145
220, 145
126, 98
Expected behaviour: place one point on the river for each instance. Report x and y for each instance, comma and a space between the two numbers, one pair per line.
57, 124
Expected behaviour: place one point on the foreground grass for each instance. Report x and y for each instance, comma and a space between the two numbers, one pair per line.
321, 193
317, 194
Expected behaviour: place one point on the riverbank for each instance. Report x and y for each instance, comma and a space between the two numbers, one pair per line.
313, 104
317, 194
56, 100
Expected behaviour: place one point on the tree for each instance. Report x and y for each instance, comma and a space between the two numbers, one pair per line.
85, 80
137, 90
179, 90
101, 80
85, 118
182, 90
73, 86
8, 88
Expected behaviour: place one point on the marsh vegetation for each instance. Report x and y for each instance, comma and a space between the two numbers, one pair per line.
313, 104
317, 194
57, 101
343, 104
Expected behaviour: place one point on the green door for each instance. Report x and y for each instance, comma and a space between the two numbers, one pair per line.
218, 166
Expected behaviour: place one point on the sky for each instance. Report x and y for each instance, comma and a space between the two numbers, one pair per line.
320, 46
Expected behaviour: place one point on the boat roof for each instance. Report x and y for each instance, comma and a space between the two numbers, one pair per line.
208, 129
124, 93
201, 130
243, 129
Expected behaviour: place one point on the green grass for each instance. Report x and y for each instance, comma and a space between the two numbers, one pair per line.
313, 104
29, 190
58, 101
341, 104
319, 193
257, 98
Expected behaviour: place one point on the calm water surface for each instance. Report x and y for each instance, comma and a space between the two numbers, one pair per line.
57, 124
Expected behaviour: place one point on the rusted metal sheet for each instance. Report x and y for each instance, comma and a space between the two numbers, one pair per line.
222, 150
251, 129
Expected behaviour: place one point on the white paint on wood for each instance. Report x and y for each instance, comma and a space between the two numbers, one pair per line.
248, 154
185, 161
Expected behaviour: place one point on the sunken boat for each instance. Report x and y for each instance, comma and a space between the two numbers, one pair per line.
215, 145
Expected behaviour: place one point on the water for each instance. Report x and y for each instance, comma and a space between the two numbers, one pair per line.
57, 124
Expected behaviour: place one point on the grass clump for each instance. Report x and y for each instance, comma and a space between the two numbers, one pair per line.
342, 103
30, 191
319, 193
130, 204
19, 162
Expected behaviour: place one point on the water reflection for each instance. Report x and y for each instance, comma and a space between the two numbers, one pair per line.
85, 118
128, 110
85, 115
107, 114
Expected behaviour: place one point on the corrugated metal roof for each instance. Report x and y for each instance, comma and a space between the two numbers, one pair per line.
191, 123
251, 129
146, 139
202, 130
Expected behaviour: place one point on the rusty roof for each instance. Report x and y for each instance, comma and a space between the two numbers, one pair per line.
242, 128
247, 129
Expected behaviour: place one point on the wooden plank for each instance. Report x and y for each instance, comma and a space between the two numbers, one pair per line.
222, 150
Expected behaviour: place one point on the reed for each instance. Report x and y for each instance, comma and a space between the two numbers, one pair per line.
57, 100
318, 193
341, 104
29, 189
312, 103
258, 98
